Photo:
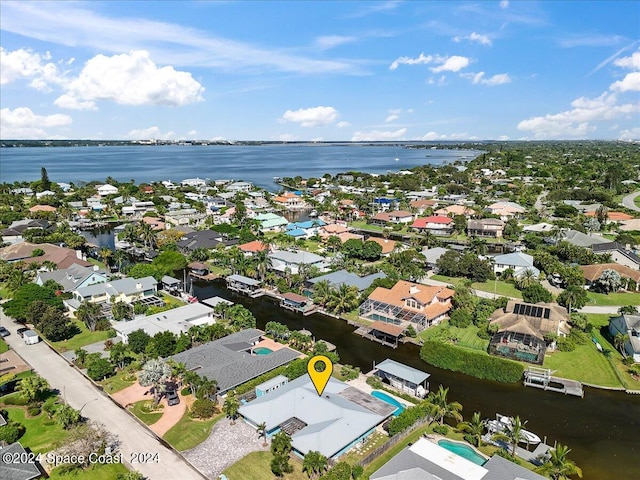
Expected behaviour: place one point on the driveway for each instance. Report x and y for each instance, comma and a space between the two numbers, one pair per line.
225, 446
80, 393
628, 201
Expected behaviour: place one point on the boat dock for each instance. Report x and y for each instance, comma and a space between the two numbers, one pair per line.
541, 378
364, 332
535, 457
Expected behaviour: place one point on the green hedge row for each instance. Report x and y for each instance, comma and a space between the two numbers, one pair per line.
469, 362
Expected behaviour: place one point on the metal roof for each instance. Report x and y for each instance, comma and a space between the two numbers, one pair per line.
341, 277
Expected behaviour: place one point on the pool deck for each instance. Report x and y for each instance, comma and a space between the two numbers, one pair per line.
361, 384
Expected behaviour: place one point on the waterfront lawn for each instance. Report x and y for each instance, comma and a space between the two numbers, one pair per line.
257, 466
615, 298
100, 264
467, 337
171, 300
85, 337
142, 410
189, 432
95, 472
585, 364
41, 434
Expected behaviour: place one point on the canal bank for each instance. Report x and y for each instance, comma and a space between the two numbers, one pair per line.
601, 429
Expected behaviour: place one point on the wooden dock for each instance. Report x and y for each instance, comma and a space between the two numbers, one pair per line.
541, 378
364, 332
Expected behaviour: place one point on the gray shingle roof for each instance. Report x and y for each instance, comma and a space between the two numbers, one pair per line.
230, 367
16, 471
503, 469
340, 277
128, 286
70, 277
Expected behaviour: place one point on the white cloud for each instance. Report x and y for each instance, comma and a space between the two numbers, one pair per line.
455, 63
630, 83
479, 78
392, 118
151, 133
504, 3
420, 59
311, 117
23, 64
632, 62
343, 124
575, 123
22, 123
590, 40
475, 37
130, 79
192, 133
379, 135
630, 134
331, 41
431, 136
73, 24
503, 138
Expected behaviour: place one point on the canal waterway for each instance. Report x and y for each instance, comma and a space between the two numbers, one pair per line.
602, 429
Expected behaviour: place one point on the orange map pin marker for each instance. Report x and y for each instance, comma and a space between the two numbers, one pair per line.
320, 379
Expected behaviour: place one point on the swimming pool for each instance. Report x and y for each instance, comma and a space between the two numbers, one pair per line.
464, 451
390, 400
262, 351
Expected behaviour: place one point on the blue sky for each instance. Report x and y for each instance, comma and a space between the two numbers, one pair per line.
337, 70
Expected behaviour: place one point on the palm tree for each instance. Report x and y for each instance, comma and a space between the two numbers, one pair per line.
441, 408
230, 408
89, 313
527, 279
16, 279
619, 340
49, 265
322, 293
263, 263
343, 299
31, 388
512, 434
558, 466
474, 427
155, 373
208, 389
262, 433
314, 464
105, 253
119, 256
147, 234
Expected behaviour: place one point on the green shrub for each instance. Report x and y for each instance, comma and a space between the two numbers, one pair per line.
566, 344
203, 408
508, 456
374, 382
474, 363
185, 391
34, 410
11, 432
99, 369
441, 429
407, 418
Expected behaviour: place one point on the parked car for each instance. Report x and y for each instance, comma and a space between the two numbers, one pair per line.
173, 398
4, 332
21, 331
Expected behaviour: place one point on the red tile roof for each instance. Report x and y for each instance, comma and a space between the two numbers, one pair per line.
253, 247
422, 222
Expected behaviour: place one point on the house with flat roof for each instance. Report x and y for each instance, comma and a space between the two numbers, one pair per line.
407, 303
426, 460
177, 320
403, 377
232, 361
330, 424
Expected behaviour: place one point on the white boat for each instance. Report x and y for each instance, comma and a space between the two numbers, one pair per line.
397, 159
502, 423
313, 213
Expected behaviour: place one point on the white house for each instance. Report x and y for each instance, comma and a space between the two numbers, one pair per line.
106, 189
74, 277
125, 290
518, 261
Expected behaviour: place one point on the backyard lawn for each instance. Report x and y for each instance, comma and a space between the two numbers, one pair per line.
188, 432
257, 466
616, 298
500, 287
467, 337
85, 337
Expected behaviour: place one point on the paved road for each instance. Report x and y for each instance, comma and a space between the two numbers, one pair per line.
81, 394
539, 205
628, 201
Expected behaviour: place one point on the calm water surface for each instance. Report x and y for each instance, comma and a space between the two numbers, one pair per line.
602, 429
257, 164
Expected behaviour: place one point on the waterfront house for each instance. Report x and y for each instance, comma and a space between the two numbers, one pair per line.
197, 183
592, 273
522, 328
403, 377
297, 303
198, 269
74, 277
177, 320
207, 239
14, 232
628, 325
331, 424
170, 284
283, 260
232, 360
435, 224
127, 290
270, 222
485, 227
246, 285
394, 217
408, 303
106, 190
236, 187
290, 201
519, 262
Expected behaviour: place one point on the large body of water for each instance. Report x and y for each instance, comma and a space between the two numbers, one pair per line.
257, 164
602, 429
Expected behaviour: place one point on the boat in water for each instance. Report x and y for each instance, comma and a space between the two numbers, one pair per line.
503, 423
313, 213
